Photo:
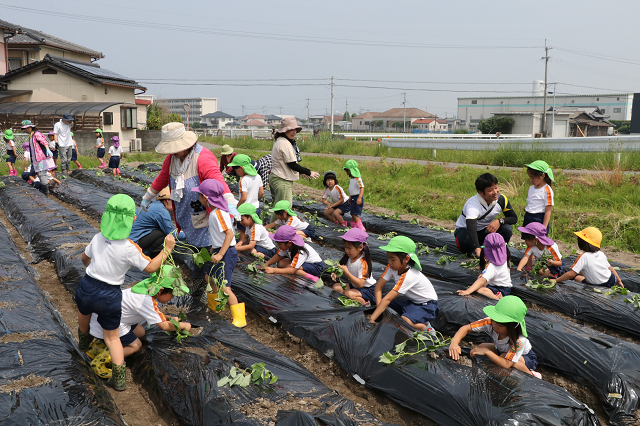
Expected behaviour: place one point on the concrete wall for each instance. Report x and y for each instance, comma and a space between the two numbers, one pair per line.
87, 140
150, 138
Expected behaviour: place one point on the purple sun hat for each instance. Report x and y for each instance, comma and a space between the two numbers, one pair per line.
287, 233
356, 235
539, 231
213, 190
495, 249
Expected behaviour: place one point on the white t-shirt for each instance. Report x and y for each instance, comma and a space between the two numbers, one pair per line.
219, 222
100, 141
9, 145
499, 276
539, 199
64, 134
354, 186
301, 258
335, 194
260, 235
136, 308
294, 221
115, 152
111, 259
594, 267
553, 250
251, 185
359, 270
523, 346
412, 284
476, 207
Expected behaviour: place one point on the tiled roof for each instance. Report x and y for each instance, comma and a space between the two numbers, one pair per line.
368, 114
29, 36
424, 121
217, 114
410, 113
253, 116
256, 123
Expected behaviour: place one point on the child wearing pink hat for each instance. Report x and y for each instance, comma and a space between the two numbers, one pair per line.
535, 237
356, 264
294, 256
495, 280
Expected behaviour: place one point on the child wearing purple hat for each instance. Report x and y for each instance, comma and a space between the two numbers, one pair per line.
294, 256
223, 240
535, 237
115, 152
495, 280
356, 264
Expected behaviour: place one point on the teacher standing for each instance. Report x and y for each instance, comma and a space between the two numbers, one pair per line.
285, 157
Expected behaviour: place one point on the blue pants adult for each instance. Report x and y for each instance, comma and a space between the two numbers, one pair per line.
464, 241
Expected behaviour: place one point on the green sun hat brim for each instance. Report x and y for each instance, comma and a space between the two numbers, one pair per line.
352, 166
284, 205
543, 167
152, 285
248, 209
508, 309
8, 134
242, 160
117, 219
402, 244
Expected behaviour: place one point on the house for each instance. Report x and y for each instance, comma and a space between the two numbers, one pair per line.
8, 30
367, 121
97, 97
430, 125
316, 120
273, 120
256, 125
216, 120
590, 122
143, 102
530, 122
197, 108
250, 117
326, 121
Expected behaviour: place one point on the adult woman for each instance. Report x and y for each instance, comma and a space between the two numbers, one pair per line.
187, 164
40, 155
285, 157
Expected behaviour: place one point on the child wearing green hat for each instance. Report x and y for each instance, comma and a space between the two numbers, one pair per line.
107, 258
11, 152
421, 305
256, 237
250, 185
506, 326
356, 192
100, 146
286, 216
540, 195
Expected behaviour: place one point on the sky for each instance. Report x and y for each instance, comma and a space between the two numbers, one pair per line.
271, 56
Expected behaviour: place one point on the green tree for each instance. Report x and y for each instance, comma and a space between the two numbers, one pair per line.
496, 124
196, 125
354, 115
346, 116
158, 116
461, 132
398, 124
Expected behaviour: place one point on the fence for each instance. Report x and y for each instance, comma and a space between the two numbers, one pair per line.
385, 136
239, 133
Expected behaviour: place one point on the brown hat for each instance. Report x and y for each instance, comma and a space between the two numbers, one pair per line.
175, 138
165, 194
288, 123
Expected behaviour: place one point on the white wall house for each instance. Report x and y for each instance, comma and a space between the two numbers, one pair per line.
199, 107
529, 123
216, 120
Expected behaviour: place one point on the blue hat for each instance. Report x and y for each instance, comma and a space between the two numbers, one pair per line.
67, 117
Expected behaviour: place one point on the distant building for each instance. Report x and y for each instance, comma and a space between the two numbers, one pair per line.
216, 120
384, 121
9, 30
430, 125
256, 125
199, 107
143, 102
326, 121
273, 120
250, 117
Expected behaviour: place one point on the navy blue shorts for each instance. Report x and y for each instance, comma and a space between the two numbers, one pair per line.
356, 210
313, 268
418, 313
241, 227
55, 154
367, 294
12, 156
230, 259
100, 153
610, 283
114, 162
74, 155
267, 253
556, 271
310, 231
531, 360
344, 207
25, 175
128, 338
533, 217
97, 297
505, 291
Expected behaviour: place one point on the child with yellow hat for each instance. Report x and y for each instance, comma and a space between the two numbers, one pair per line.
592, 266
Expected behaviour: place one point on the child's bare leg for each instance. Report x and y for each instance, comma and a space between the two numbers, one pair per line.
355, 218
355, 295
418, 325
301, 273
283, 263
338, 287
302, 234
233, 300
328, 213
488, 293
132, 348
579, 278
337, 214
83, 323
546, 273
475, 287
529, 262
112, 340
139, 331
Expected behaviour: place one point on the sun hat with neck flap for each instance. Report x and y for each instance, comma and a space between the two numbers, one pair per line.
213, 190
175, 138
288, 123
352, 166
284, 205
543, 167
117, 219
402, 244
508, 309
248, 209
242, 160
152, 285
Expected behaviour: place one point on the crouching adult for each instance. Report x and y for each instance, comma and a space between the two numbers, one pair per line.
153, 225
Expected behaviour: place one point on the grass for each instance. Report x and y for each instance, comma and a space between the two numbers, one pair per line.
509, 154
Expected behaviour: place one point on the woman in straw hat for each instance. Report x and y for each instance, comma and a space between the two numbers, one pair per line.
187, 164
285, 157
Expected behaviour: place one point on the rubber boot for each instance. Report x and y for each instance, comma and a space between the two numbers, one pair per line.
45, 189
237, 312
211, 301
360, 225
118, 379
352, 224
102, 166
79, 166
84, 341
344, 223
312, 278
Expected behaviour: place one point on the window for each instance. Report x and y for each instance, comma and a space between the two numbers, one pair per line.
107, 118
617, 99
15, 63
616, 110
128, 118
603, 111
474, 102
597, 99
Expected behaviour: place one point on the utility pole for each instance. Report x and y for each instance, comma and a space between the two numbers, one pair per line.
308, 114
346, 107
243, 111
280, 110
331, 116
404, 119
264, 111
544, 108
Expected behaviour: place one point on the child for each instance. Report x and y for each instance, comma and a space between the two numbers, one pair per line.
11, 152
53, 147
256, 238
250, 185
286, 216
356, 264
74, 153
592, 266
336, 200
294, 256
535, 236
35, 181
495, 280
223, 251
114, 155
107, 258
356, 191
100, 145
540, 196
404, 270
505, 324
139, 305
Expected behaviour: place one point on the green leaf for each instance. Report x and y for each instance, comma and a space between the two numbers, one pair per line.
319, 284
246, 381
223, 381
350, 303
202, 257
274, 378
175, 323
182, 316
400, 347
387, 358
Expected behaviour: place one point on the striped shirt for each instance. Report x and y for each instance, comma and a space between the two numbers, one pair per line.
523, 346
260, 235
553, 250
354, 186
359, 269
294, 221
311, 256
539, 199
412, 284
219, 223
335, 194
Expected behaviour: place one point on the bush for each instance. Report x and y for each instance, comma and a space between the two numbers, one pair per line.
461, 132
496, 124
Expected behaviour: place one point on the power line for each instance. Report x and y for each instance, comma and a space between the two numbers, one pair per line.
603, 57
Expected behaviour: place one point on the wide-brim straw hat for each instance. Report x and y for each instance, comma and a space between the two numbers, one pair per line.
288, 123
175, 138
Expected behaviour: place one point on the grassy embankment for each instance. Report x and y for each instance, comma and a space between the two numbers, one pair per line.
509, 155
